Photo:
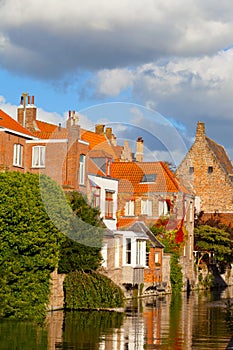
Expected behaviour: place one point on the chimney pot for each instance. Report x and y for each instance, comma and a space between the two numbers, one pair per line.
32, 100
28, 100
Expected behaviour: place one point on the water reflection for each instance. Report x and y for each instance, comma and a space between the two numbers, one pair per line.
166, 323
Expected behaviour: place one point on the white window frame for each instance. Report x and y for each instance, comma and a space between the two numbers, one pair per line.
128, 251
129, 208
156, 257
82, 159
163, 208
140, 259
146, 207
18, 155
117, 251
38, 156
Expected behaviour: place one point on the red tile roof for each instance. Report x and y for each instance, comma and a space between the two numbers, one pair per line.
50, 131
131, 174
101, 143
9, 123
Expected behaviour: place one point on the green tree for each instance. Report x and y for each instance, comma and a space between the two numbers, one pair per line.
212, 241
80, 250
29, 245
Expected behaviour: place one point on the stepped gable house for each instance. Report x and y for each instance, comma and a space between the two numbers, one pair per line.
208, 172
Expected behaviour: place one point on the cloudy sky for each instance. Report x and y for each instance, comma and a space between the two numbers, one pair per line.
151, 67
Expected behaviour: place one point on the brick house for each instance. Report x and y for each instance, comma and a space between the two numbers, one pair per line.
149, 191
208, 172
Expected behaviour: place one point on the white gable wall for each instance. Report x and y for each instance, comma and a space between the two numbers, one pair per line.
106, 184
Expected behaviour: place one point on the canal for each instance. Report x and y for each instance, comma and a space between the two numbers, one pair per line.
202, 320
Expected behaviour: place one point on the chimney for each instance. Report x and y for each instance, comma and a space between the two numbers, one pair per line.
200, 131
99, 129
73, 126
108, 133
139, 149
26, 112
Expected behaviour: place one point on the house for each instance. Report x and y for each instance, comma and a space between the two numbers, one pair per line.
207, 171
149, 191
124, 254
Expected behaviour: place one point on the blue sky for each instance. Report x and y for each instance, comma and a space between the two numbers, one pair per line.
139, 66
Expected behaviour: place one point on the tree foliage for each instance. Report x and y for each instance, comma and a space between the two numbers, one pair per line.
74, 255
209, 239
91, 291
29, 248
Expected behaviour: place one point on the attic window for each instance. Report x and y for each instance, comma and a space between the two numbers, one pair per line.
210, 170
148, 178
191, 170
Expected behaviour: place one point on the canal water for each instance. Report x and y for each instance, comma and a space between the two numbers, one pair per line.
202, 320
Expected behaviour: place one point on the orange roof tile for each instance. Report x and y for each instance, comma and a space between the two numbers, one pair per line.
9, 123
100, 142
131, 174
50, 131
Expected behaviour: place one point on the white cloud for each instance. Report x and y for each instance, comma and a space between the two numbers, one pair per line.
112, 82
49, 38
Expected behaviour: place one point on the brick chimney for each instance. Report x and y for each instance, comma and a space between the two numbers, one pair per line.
26, 112
99, 129
200, 131
73, 126
108, 133
139, 149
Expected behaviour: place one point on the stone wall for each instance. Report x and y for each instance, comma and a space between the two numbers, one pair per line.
214, 187
56, 301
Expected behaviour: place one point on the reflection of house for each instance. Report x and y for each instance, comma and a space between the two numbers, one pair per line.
208, 172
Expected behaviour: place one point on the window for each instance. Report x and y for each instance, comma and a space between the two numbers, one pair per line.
156, 257
82, 169
108, 167
164, 207
149, 178
38, 156
117, 251
191, 170
96, 196
129, 208
210, 170
18, 155
109, 204
128, 251
139, 253
146, 207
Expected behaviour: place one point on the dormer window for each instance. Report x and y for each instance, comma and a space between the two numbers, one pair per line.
148, 178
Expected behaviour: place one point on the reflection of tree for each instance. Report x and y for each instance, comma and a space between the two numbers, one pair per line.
175, 331
85, 328
22, 335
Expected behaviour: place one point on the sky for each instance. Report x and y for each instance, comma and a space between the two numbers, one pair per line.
150, 68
